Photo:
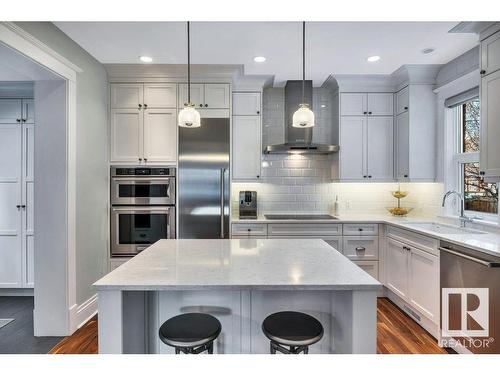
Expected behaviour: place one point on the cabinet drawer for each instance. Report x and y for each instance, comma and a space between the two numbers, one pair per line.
244, 229
370, 267
248, 236
305, 229
360, 229
361, 248
428, 244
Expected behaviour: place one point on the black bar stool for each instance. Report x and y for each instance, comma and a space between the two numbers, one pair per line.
191, 333
293, 329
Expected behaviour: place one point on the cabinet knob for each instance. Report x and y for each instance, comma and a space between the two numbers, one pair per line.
360, 229
206, 105
482, 71
18, 206
145, 106
370, 113
140, 106
201, 105
370, 176
258, 112
145, 159
364, 176
365, 112
140, 159
482, 173
258, 176
249, 230
406, 176
18, 119
23, 206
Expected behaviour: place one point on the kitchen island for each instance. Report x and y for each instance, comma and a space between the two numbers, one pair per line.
239, 281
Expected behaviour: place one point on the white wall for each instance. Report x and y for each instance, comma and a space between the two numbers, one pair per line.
91, 156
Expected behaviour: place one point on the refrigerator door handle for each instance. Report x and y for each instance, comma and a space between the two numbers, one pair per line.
222, 175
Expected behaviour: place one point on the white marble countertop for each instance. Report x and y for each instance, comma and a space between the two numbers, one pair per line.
246, 264
488, 243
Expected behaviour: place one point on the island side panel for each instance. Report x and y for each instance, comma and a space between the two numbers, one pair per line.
110, 327
224, 305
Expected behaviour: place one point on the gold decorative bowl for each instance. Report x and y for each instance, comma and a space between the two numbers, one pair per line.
399, 211
399, 194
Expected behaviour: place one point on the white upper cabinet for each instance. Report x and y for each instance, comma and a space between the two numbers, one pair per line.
490, 54
247, 148
28, 111
126, 135
490, 126
402, 145
353, 104
160, 135
10, 111
352, 146
127, 95
197, 95
379, 144
380, 104
209, 95
246, 103
402, 100
160, 95
217, 95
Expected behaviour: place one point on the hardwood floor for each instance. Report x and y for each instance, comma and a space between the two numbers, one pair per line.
396, 334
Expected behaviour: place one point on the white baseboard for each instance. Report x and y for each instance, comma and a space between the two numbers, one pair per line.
17, 292
81, 314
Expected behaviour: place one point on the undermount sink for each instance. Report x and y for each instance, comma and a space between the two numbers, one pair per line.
443, 228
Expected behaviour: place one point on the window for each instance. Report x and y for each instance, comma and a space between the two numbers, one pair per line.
481, 198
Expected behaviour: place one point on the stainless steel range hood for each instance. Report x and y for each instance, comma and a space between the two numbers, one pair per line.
297, 140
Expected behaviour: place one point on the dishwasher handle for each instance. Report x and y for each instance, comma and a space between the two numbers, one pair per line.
471, 258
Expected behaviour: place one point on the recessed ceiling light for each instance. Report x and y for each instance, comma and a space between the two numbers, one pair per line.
373, 58
259, 59
146, 59
427, 50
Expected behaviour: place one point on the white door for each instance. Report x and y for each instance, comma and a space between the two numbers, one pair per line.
402, 100
127, 95
160, 95
28, 111
126, 135
490, 125
353, 104
403, 146
246, 148
160, 135
380, 104
197, 95
27, 207
379, 145
216, 95
490, 54
424, 283
352, 148
10, 111
10, 206
246, 103
396, 270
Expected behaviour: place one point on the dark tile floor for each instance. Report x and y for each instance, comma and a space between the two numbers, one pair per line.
17, 336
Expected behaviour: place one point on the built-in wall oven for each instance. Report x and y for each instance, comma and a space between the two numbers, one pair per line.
142, 208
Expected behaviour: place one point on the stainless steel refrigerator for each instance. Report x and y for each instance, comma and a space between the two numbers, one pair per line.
203, 180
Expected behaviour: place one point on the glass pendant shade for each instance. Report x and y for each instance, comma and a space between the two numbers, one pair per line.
189, 117
303, 117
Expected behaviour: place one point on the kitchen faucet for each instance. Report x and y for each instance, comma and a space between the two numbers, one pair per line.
463, 218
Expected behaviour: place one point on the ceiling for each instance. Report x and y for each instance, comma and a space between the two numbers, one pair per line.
331, 47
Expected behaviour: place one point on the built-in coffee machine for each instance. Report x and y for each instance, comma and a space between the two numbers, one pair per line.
248, 205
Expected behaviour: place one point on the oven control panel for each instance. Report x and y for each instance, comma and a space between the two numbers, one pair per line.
142, 171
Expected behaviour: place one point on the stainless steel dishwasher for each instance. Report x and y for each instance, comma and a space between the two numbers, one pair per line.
461, 267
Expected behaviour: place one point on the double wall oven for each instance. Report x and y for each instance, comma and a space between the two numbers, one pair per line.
142, 208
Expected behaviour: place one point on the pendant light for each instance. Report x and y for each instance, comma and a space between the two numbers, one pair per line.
303, 117
189, 117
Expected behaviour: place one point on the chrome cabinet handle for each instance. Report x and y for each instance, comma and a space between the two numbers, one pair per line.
468, 257
222, 173
360, 248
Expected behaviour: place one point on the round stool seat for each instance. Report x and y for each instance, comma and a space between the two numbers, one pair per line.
292, 328
190, 330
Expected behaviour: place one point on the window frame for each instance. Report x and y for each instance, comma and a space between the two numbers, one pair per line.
459, 158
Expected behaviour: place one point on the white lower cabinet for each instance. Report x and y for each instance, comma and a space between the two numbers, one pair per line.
412, 274
370, 267
114, 263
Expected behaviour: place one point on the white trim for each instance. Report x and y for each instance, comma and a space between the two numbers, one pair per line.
17, 292
81, 314
466, 78
19, 40
42, 46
